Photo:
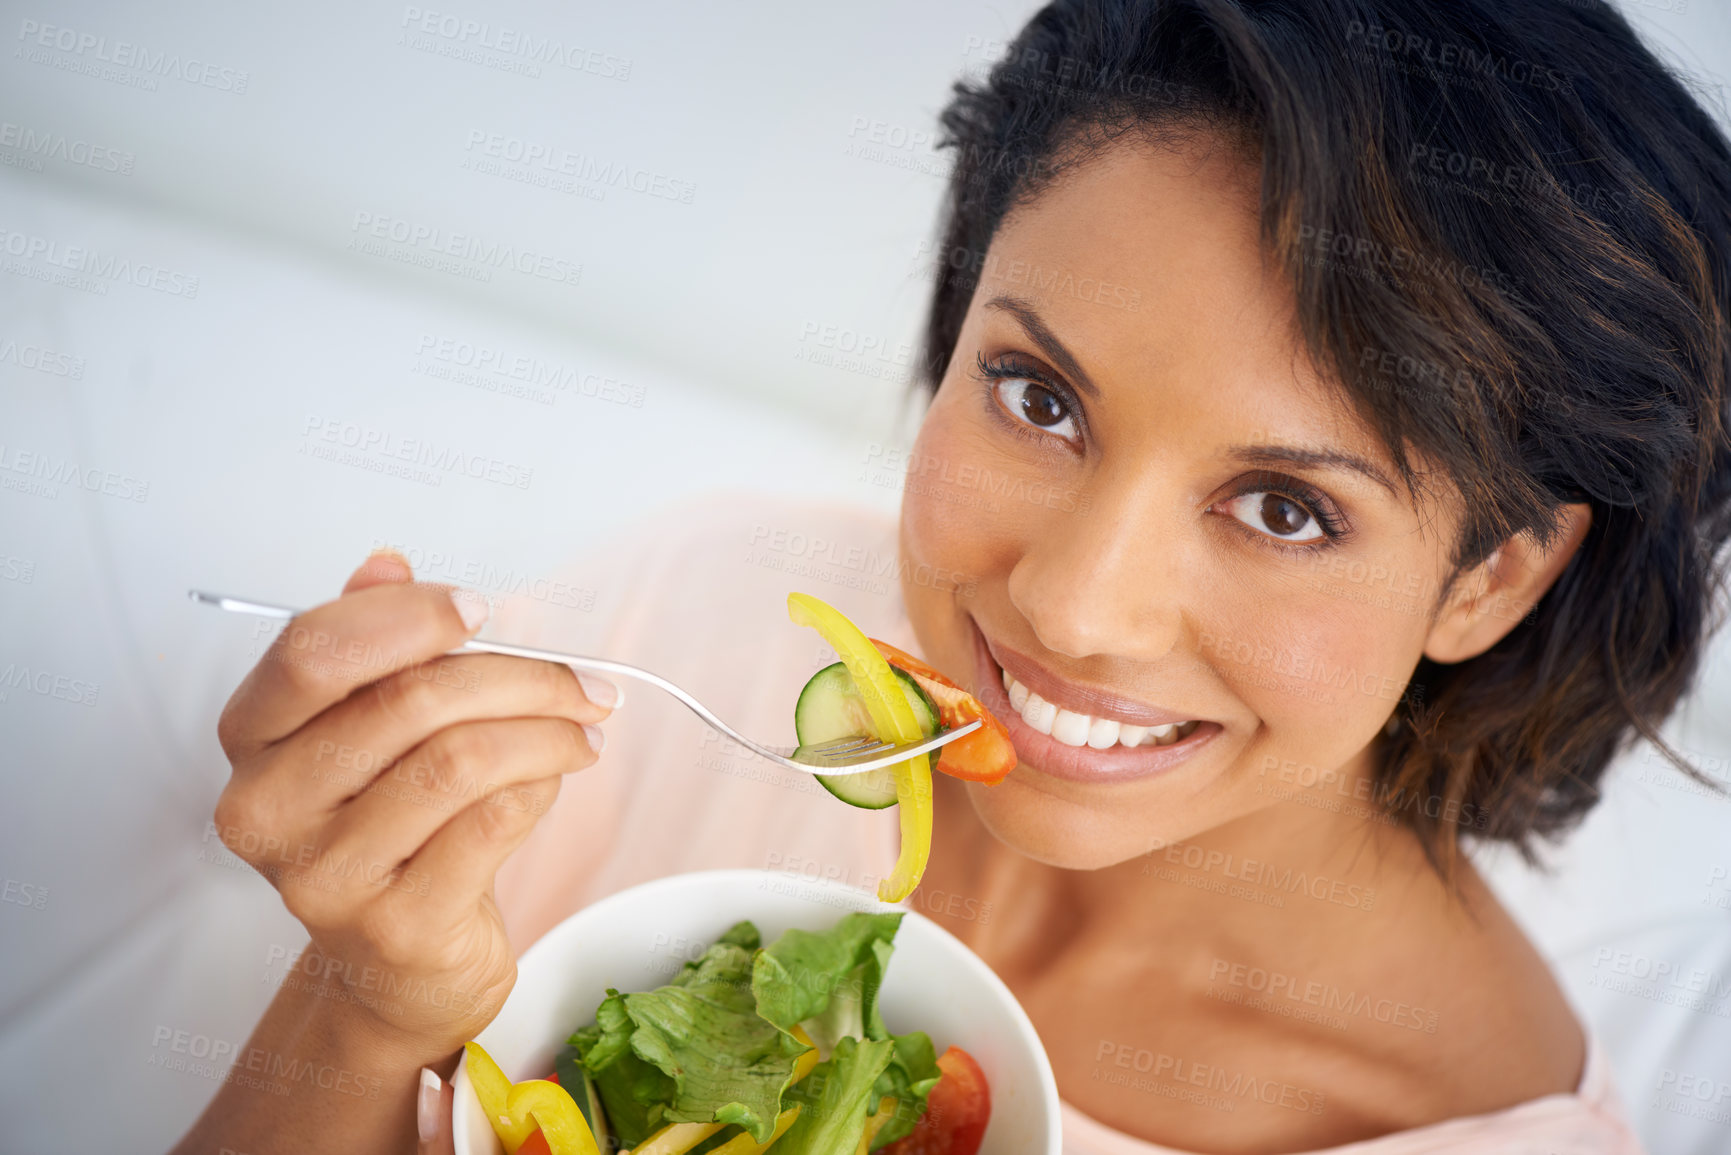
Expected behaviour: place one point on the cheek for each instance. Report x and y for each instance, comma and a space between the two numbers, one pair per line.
939, 535
953, 515
972, 498
1321, 670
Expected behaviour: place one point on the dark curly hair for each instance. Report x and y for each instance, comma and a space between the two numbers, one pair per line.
1509, 229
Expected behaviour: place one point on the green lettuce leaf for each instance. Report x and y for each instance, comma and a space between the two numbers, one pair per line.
743, 933
911, 1074
633, 1093
832, 976
571, 1075
836, 1098
713, 1044
827, 982
693, 1051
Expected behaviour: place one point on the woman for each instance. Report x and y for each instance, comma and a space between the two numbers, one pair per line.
1326, 463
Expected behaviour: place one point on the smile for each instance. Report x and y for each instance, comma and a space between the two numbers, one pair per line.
1100, 732
1077, 732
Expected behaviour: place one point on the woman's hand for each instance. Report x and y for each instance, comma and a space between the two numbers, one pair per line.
433, 1115
379, 784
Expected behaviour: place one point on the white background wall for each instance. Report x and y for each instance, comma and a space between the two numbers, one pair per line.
802, 132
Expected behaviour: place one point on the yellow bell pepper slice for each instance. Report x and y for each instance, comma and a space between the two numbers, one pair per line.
895, 721
516, 1110
676, 1138
886, 1109
746, 1145
807, 1060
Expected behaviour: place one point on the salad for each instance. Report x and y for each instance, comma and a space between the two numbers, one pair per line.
749, 1048
878, 691
752, 1047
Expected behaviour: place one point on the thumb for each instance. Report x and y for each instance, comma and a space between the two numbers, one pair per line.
381, 567
433, 1115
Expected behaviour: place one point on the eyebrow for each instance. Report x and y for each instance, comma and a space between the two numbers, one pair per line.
1047, 340
1265, 455
1308, 458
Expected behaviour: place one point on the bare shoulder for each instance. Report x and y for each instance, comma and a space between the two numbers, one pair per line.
1441, 1009
1361, 1024
1206, 1022
1503, 1024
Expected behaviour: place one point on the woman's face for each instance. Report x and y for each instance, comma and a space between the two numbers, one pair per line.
1161, 514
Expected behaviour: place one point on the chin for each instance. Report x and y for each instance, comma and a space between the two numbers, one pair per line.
1056, 831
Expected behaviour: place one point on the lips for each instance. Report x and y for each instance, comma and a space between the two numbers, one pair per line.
1077, 732
1073, 728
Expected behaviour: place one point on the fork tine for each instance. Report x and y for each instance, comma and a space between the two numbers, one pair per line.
841, 750
853, 745
844, 762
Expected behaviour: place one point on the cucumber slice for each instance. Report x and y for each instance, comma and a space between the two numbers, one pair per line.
574, 1077
830, 707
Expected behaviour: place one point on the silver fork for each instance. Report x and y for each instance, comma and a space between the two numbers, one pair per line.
841, 756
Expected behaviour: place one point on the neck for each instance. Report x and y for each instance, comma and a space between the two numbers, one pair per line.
1323, 867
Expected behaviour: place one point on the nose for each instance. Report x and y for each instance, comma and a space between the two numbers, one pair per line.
1109, 578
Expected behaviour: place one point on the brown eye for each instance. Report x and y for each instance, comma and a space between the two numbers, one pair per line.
1033, 404
1041, 406
1277, 515
1282, 515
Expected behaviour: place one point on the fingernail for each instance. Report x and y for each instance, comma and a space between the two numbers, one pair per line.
597, 738
472, 608
427, 1106
600, 691
387, 561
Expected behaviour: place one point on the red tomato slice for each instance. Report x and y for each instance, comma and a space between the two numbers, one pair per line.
536, 1143
957, 1110
986, 755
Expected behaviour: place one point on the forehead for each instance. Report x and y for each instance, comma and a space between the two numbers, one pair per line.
1146, 261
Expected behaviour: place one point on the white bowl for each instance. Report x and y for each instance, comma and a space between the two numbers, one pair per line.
636, 939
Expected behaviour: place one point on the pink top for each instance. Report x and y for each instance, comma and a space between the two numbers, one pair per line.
700, 596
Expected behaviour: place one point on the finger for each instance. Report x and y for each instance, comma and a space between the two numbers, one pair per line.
447, 1144
465, 854
365, 737
488, 763
433, 1115
387, 566
381, 566
323, 655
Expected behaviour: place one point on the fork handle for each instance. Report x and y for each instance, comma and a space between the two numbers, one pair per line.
607, 666
477, 645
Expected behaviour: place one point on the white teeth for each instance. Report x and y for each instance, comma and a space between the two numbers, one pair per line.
1071, 728
1075, 729
1103, 733
1039, 713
